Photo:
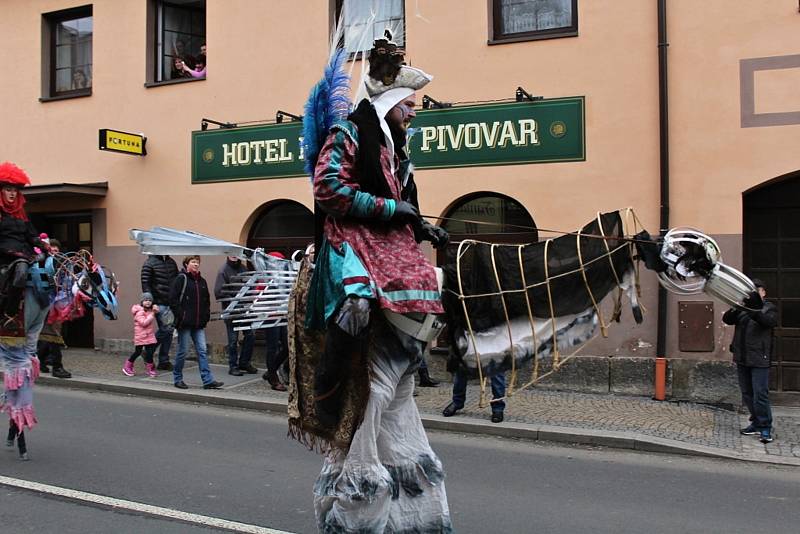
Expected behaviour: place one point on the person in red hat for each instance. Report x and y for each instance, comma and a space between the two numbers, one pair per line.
17, 235
19, 242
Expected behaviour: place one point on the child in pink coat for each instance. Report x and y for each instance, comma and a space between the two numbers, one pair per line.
144, 335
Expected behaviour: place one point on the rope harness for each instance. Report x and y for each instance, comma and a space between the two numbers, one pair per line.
630, 226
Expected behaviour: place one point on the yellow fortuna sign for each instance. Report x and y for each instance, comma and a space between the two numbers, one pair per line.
127, 143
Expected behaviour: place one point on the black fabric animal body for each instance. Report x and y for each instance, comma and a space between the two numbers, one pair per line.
575, 281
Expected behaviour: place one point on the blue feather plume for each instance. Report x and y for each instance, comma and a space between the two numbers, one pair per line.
328, 102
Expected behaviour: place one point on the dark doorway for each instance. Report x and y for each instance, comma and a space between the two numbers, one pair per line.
484, 216
283, 226
489, 217
771, 243
74, 232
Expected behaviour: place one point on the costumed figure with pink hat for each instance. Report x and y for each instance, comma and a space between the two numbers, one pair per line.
26, 281
356, 331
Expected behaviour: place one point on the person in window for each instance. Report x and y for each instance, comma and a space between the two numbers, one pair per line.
79, 80
178, 71
199, 70
752, 348
191, 304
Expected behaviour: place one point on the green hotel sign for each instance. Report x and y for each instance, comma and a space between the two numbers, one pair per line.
495, 134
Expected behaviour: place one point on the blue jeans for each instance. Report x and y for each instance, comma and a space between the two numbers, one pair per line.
248, 340
163, 335
198, 337
498, 383
754, 383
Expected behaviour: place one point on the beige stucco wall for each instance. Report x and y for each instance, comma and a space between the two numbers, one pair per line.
713, 159
265, 55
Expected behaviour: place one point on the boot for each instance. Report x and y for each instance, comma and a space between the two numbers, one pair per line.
60, 372
425, 379
23, 450
151, 370
12, 434
274, 381
127, 369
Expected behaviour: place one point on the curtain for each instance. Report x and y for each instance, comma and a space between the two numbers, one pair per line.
520, 16
359, 35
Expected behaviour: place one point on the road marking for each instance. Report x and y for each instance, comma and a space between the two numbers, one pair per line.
157, 511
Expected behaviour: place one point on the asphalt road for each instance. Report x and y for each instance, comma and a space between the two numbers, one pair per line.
238, 465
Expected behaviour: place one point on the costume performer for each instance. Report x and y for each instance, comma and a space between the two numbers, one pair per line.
27, 273
384, 477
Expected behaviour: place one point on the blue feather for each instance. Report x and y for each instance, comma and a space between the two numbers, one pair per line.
328, 102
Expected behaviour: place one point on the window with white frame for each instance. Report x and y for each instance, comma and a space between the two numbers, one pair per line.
533, 19
366, 20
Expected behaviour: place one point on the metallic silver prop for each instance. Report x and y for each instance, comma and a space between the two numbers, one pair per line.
694, 265
255, 299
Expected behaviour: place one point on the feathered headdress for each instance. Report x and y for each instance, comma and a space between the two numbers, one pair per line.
11, 174
328, 102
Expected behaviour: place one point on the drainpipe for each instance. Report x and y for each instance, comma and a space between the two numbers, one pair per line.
663, 130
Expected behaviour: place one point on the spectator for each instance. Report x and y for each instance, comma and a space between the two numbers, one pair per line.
177, 69
277, 345
50, 340
238, 362
80, 80
752, 348
180, 52
191, 305
144, 335
199, 70
158, 273
498, 382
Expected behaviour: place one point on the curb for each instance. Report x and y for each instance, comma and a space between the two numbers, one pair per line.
464, 425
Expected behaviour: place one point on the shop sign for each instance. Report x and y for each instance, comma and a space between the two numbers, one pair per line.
494, 134
500, 134
126, 143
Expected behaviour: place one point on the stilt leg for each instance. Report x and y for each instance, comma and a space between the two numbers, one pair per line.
23, 450
12, 433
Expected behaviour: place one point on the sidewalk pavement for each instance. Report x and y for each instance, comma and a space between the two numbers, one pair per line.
601, 420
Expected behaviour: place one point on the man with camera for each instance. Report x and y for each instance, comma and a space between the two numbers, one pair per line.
751, 348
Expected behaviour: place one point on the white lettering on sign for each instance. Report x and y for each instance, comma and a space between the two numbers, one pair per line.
476, 135
257, 152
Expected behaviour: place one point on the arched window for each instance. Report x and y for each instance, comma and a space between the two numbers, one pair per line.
489, 217
771, 246
283, 226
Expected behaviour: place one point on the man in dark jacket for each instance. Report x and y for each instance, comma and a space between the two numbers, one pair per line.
238, 363
191, 304
752, 347
158, 273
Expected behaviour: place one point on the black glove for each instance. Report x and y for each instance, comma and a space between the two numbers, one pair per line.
406, 212
437, 235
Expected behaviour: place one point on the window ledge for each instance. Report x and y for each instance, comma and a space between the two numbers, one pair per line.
523, 38
173, 82
65, 97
